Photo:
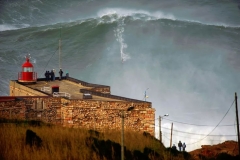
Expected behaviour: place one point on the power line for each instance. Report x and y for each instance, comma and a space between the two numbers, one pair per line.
227, 125
197, 124
175, 142
199, 138
196, 133
49, 61
193, 138
53, 53
203, 125
207, 135
216, 125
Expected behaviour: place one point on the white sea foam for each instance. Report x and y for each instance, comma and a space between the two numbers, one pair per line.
1, 59
146, 15
33, 60
211, 24
120, 12
6, 27
119, 35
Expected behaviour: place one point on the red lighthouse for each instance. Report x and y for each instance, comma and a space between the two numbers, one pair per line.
27, 75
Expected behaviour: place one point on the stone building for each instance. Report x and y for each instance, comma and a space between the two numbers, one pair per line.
74, 103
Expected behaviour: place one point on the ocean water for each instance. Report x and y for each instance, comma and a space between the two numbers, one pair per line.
185, 54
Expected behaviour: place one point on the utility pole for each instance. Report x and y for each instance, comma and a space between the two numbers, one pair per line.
122, 147
145, 94
122, 116
171, 136
60, 47
237, 123
122, 133
160, 127
160, 131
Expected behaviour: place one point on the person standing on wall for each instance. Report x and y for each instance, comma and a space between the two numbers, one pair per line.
53, 74
67, 74
174, 147
49, 76
46, 76
60, 74
184, 146
180, 146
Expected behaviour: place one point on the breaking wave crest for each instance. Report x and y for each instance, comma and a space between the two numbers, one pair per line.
6, 27
115, 15
135, 14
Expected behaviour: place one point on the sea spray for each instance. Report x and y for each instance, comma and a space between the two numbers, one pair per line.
119, 35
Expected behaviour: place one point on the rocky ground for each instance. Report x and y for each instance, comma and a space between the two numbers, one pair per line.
227, 149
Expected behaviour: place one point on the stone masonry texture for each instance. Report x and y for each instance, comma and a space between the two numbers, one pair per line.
97, 115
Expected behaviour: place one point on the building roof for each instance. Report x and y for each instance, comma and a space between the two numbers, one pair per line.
76, 89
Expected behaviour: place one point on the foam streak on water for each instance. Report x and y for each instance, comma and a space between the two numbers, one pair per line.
123, 46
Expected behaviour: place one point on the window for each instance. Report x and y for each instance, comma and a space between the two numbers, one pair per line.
27, 69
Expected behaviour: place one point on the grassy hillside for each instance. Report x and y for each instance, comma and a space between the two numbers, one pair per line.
60, 143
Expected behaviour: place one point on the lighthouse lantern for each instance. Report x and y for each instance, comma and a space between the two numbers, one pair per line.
27, 75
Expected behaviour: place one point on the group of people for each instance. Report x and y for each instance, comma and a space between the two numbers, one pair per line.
50, 76
181, 146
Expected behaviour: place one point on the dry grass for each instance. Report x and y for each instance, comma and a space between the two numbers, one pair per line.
60, 143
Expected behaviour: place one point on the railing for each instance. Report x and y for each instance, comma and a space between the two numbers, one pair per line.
44, 89
85, 91
107, 88
24, 76
61, 94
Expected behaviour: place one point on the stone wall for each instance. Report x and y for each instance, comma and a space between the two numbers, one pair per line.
17, 89
107, 115
47, 109
90, 114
